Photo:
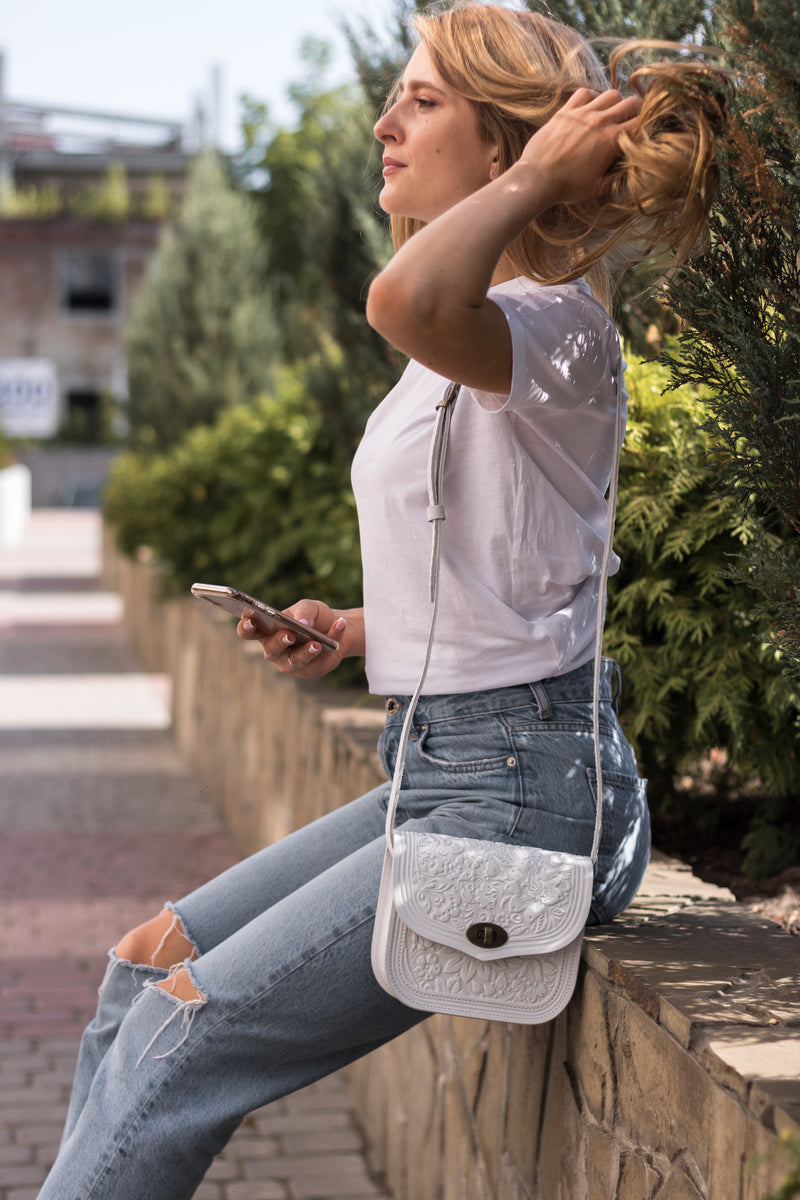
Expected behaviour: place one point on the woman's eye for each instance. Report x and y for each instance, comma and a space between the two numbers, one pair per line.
424, 103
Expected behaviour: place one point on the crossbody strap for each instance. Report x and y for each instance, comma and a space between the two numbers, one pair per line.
436, 515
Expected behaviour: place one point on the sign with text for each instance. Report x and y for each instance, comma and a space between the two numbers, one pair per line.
28, 397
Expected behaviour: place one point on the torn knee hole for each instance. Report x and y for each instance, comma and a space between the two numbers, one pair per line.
179, 984
160, 942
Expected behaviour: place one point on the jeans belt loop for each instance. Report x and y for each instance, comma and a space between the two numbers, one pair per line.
615, 699
542, 700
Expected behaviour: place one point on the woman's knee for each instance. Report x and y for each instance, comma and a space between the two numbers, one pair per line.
159, 942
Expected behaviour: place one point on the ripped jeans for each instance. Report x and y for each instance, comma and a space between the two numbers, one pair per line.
285, 988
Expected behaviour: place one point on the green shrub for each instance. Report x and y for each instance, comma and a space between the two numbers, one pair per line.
256, 501
6, 453
697, 675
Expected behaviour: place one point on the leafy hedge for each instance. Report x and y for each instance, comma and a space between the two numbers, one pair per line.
697, 673
259, 500
255, 501
6, 453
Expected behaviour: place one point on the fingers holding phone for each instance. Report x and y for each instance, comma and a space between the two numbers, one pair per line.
293, 653
309, 639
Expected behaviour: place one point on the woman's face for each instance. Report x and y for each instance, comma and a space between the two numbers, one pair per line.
433, 152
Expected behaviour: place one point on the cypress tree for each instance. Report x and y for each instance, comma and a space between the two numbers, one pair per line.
202, 336
741, 302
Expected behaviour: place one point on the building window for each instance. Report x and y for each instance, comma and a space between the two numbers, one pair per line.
83, 415
88, 282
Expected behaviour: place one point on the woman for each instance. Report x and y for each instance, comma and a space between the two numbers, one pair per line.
516, 170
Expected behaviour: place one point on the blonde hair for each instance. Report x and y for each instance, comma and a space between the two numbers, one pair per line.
517, 68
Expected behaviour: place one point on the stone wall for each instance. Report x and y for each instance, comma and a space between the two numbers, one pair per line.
671, 1075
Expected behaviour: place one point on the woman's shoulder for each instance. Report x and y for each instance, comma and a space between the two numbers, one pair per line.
572, 298
554, 316
564, 344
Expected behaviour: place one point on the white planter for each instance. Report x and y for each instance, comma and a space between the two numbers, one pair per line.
15, 503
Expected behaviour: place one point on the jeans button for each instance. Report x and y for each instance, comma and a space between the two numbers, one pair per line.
392, 705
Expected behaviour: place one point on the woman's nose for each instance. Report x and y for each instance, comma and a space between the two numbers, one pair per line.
386, 127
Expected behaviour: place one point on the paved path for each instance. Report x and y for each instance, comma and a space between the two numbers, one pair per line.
100, 822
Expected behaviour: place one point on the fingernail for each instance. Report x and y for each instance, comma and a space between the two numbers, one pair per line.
249, 626
288, 639
340, 625
303, 621
313, 648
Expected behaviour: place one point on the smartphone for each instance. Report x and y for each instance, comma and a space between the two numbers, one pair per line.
268, 618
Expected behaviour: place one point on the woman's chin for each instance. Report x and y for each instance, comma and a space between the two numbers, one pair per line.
394, 205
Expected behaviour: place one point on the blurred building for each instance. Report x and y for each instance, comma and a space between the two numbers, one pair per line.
82, 197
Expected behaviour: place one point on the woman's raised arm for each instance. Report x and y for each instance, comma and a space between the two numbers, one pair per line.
430, 301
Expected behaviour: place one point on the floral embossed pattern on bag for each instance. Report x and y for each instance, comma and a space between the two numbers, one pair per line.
528, 989
445, 885
437, 890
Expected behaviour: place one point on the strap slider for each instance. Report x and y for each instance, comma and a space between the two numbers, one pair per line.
435, 512
450, 394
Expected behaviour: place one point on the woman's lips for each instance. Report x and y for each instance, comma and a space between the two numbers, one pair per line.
391, 165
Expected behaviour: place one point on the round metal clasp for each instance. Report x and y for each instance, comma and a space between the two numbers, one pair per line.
487, 936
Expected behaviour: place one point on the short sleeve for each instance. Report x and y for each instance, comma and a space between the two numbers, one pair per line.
563, 343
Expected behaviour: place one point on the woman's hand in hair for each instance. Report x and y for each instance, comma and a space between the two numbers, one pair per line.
431, 301
308, 659
580, 142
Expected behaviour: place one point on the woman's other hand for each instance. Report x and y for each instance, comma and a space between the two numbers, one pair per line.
309, 660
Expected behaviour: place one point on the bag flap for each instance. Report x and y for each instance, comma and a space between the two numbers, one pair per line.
489, 899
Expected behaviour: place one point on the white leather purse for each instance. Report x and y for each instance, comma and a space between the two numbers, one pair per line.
478, 928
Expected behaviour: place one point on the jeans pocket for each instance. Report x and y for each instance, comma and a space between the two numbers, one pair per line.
465, 746
557, 800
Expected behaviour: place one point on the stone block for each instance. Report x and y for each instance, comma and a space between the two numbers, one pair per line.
767, 1058
676, 1022
424, 1116
368, 1090
639, 1178
561, 1149
514, 1188
725, 964
489, 1109
525, 1100
764, 1162
466, 1045
463, 1170
663, 1095
589, 1050
727, 1136
679, 1186
396, 1115
602, 1161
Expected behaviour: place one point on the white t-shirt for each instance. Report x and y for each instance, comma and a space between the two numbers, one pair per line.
524, 488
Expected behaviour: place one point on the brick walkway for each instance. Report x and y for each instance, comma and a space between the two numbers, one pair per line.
88, 776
